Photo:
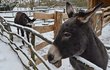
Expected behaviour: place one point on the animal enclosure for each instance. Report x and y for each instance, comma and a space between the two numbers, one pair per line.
58, 17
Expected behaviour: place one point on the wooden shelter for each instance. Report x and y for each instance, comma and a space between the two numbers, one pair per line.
101, 18
92, 3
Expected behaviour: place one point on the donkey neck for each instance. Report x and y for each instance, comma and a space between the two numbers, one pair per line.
95, 51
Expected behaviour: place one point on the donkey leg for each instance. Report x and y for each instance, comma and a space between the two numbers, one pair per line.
79, 65
22, 34
27, 34
17, 30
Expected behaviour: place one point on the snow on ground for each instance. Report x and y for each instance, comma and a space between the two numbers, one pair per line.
8, 58
105, 37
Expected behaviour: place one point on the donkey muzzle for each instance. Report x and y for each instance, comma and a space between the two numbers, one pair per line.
54, 56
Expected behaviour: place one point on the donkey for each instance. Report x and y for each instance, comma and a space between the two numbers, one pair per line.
76, 38
23, 19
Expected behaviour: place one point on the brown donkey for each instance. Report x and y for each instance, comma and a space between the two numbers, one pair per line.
23, 19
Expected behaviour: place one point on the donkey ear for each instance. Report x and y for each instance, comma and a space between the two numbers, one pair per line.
69, 9
85, 16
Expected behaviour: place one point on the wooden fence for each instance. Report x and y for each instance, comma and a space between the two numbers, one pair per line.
30, 46
98, 23
106, 15
101, 19
57, 17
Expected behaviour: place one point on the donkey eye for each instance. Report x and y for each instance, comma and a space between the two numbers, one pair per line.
67, 34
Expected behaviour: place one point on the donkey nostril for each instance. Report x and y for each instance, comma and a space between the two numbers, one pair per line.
50, 57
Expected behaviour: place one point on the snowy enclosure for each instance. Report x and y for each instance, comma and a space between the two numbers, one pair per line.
9, 60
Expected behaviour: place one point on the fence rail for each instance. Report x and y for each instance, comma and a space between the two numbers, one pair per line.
29, 44
16, 11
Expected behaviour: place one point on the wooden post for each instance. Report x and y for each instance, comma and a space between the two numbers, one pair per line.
10, 35
1, 21
33, 43
33, 39
101, 22
91, 3
99, 25
57, 22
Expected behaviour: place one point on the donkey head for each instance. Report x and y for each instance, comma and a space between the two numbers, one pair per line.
72, 38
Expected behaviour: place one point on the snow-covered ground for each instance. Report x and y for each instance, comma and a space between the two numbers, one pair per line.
105, 37
8, 58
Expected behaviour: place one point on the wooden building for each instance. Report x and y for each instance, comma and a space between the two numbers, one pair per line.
92, 3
